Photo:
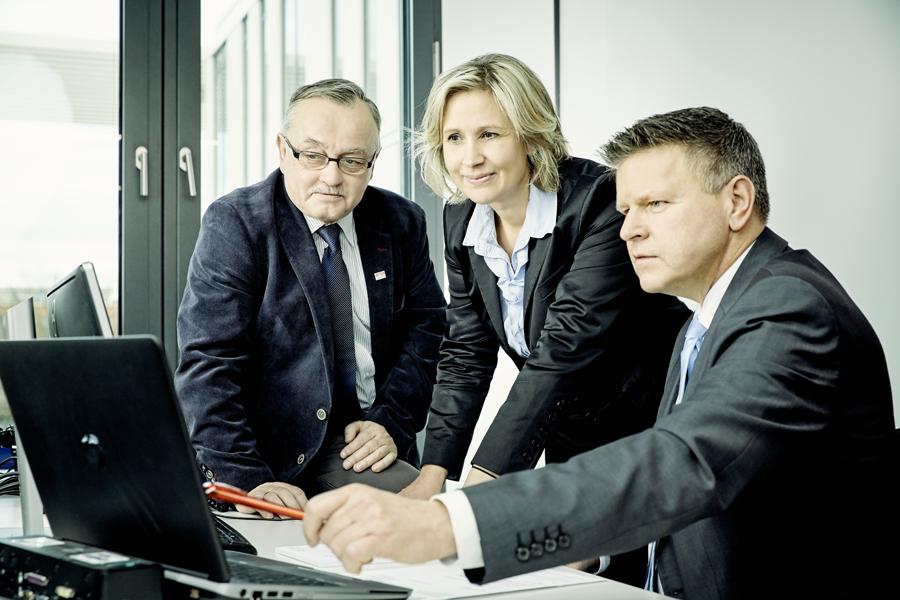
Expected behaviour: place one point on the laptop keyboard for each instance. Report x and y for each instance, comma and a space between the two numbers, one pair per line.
230, 538
259, 574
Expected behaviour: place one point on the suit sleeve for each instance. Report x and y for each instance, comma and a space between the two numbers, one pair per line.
468, 360
588, 307
768, 391
401, 402
215, 324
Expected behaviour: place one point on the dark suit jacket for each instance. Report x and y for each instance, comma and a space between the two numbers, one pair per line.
254, 330
599, 345
770, 478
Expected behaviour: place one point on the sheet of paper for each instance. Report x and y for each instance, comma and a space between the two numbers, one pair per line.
433, 580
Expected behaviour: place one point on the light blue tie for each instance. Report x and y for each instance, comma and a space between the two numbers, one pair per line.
693, 339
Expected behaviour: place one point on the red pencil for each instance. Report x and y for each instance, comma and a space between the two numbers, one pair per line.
228, 493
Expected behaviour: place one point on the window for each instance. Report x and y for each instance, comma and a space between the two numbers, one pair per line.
59, 115
252, 76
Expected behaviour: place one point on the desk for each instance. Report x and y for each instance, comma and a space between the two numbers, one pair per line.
268, 535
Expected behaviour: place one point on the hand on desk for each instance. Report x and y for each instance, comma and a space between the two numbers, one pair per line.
275, 492
359, 523
368, 445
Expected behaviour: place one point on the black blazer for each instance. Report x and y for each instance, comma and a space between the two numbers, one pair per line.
254, 330
599, 345
771, 479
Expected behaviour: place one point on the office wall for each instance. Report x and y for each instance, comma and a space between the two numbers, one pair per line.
817, 82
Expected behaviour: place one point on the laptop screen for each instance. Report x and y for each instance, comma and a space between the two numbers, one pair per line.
109, 450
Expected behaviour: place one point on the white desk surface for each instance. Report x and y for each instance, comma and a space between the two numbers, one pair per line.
268, 535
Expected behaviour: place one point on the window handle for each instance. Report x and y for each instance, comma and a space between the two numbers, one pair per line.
141, 161
186, 164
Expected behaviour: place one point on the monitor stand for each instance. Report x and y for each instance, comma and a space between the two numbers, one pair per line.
32, 507
20, 326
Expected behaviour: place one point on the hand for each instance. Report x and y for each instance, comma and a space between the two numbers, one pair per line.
429, 482
477, 476
359, 523
275, 492
368, 445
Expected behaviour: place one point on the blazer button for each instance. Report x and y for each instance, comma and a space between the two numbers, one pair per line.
321, 414
550, 545
537, 550
564, 540
301, 459
523, 553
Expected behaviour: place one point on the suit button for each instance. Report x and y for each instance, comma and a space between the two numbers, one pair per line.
523, 553
321, 414
564, 540
537, 550
301, 459
550, 545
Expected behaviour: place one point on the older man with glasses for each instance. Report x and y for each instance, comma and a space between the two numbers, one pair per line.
310, 326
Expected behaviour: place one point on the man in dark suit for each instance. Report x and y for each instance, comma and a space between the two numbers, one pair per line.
310, 326
767, 472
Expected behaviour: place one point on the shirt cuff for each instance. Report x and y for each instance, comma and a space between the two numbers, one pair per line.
465, 531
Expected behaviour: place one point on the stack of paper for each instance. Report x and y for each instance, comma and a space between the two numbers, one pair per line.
433, 580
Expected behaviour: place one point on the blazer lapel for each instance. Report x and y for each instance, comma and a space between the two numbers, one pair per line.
487, 284
297, 243
670, 390
537, 254
376, 253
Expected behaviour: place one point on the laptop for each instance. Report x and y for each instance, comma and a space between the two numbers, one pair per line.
115, 467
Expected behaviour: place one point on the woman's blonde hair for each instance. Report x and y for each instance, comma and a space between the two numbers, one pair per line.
520, 95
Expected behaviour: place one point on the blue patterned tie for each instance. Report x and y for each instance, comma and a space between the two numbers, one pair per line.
337, 282
693, 339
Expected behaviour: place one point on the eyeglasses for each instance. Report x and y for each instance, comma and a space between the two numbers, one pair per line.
351, 165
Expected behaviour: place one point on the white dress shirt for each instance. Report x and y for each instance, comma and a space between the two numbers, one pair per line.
462, 517
362, 335
481, 235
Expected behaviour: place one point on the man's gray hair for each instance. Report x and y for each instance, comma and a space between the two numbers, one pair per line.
341, 91
717, 146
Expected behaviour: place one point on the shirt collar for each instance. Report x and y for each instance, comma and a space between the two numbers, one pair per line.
715, 294
346, 223
540, 219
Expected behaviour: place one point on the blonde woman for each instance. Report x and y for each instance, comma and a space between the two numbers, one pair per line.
536, 267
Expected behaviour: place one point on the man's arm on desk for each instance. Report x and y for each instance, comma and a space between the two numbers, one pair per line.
519, 523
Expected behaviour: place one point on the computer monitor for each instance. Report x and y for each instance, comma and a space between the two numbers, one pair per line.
75, 305
20, 326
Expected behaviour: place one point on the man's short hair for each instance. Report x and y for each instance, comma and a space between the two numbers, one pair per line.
717, 146
341, 91
523, 99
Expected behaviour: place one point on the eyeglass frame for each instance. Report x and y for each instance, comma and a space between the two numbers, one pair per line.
328, 159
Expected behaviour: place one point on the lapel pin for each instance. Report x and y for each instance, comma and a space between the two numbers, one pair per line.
380, 275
